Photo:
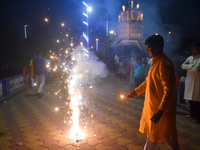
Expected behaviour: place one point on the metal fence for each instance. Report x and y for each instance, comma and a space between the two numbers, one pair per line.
10, 70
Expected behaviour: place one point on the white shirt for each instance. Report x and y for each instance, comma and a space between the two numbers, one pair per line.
192, 82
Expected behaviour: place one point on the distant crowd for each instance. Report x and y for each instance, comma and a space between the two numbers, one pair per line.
41, 70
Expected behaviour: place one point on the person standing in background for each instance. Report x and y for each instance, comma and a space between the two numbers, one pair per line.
132, 63
128, 68
32, 77
192, 82
149, 65
25, 74
39, 69
116, 63
139, 74
121, 69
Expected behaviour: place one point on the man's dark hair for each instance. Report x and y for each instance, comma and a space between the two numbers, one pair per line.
155, 40
196, 44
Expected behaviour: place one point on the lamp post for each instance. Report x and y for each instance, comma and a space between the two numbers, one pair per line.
25, 34
46, 20
97, 44
86, 36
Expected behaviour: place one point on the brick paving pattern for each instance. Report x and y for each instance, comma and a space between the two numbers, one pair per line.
27, 123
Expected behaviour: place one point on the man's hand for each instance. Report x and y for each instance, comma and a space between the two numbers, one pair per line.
131, 94
156, 117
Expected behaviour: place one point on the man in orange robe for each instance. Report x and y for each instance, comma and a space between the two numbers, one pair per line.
158, 119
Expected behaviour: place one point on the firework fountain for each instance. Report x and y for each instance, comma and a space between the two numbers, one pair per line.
81, 70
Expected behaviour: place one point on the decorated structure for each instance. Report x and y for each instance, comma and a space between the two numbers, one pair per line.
130, 27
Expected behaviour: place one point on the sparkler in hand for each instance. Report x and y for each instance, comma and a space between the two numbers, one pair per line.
122, 96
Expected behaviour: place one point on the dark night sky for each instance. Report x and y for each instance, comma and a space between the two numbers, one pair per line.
182, 17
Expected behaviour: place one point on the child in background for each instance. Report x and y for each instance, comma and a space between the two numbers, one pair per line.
139, 74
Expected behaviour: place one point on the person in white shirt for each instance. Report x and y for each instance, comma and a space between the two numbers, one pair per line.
148, 67
131, 80
192, 82
116, 63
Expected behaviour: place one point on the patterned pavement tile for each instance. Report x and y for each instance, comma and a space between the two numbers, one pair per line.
138, 141
55, 147
101, 135
53, 132
111, 125
128, 135
31, 138
106, 130
134, 147
34, 143
6, 144
123, 141
39, 148
94, 141
86, 147
64, 142
102, 147
47, 142
131, 129
119, 130
89, 135
124, 125
108, 141
71, 147
57, 136
114, 135
140, 135
114, 121
118, 147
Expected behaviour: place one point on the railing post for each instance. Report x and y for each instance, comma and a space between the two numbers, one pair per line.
6, 87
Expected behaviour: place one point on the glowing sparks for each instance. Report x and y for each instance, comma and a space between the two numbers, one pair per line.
56, 109
74, 72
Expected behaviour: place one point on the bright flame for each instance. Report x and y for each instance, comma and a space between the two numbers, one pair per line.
112, 32
56, 109
138, 5
123, 7
46, 19
62, 24
122, 96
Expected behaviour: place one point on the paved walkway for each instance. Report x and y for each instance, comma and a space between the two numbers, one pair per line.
109, 123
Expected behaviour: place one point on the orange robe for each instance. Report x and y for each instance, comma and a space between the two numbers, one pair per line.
160, 94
